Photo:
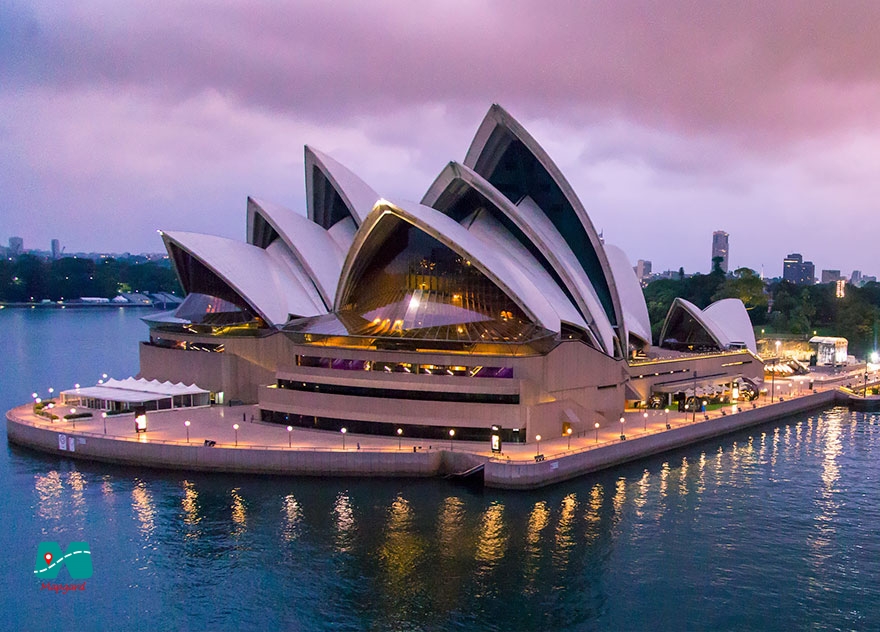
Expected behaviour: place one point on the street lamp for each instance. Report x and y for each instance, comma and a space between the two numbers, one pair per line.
235, 427
104, 417
343, 431
538, 449
622, 434
666, 410
73, 417
399, 434
289, 430
568, 432
186, 423
451, 437
597, 432
646, 421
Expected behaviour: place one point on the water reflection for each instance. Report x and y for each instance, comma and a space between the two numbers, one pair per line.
291, 514
189, 503
592, 515
619, 498
48, 488
491, 538
775, 451
400, 552
345, 524
701, 478
77, 484
450, 527
642, 495
144, 509
539, 517
106, 487
822, 540
682, 478
565, 540
664, 486
239, 513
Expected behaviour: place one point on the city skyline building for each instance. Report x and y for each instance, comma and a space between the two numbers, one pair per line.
720, 248
830, 276
56, 249
797, 271
16, 246
643, 270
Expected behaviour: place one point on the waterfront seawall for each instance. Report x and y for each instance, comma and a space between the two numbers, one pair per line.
557, 468
197, 457
520, 473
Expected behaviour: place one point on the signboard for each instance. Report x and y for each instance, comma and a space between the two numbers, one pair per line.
496, 439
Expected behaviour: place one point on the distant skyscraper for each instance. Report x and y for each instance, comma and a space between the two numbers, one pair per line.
856, 278
16, 246
831, 276
720, 249
56, 249
796, 270
643, 270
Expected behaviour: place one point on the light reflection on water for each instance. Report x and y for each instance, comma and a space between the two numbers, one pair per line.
144, 509
292, 515
346, 527
539, 518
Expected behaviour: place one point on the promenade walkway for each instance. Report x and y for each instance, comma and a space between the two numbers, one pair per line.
262, 447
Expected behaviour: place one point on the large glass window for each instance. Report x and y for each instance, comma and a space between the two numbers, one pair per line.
414, 286
685, 333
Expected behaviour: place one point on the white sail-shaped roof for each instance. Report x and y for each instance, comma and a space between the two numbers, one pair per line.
494, 235
635, 310
498, 133
313, 247
447, 231
712, 328
454, 182
342, 232
254, 274
357, 196
731, 316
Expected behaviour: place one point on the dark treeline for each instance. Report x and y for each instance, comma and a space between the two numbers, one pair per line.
30, 278
794, 309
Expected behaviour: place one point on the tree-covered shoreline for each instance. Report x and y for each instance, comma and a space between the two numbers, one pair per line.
779, 307
28, 278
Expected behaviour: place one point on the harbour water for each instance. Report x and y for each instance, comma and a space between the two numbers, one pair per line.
775, 528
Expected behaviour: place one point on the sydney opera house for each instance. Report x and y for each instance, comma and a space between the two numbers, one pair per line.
491, 302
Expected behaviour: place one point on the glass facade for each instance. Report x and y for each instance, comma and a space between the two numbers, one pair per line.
685, 333
404, 367
201, 309
393, 393
412, 286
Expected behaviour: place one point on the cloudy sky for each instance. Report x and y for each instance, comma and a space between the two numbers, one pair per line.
671, 119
